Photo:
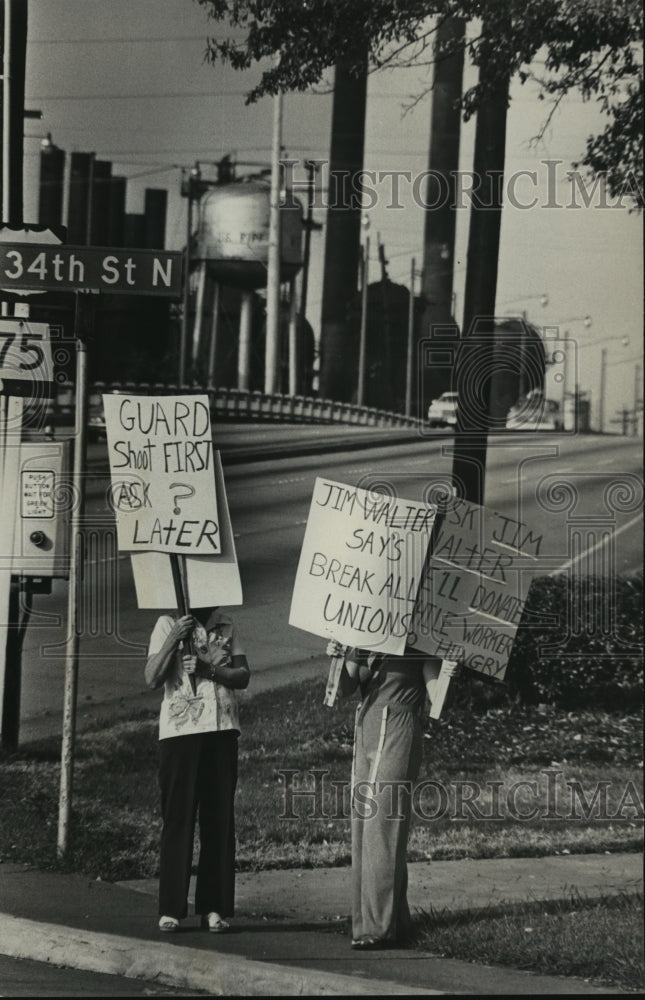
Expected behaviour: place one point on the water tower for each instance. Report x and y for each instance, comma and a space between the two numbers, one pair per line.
232, 248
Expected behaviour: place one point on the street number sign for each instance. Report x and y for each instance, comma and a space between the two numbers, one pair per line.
58, 267
25, 351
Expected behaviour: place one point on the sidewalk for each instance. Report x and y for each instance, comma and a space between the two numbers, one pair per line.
288, 937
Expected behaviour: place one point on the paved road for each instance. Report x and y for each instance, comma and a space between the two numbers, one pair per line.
562, 487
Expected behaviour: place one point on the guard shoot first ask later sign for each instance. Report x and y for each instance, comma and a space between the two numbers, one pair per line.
360, 566
162, 477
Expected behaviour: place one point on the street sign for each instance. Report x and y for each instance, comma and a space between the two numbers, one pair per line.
31, 234
51, 267
25, 351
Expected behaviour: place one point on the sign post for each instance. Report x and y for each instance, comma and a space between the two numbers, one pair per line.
83, 269
10, 425
25, 364
27, 267
83, 324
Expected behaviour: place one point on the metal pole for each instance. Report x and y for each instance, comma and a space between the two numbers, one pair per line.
576, 408
74, 593
6, 115
183, 341
273, 278
637, 385
565, 369
244, 343
408, 367
306, 259
293, 339
522, 382
212, 354
10, 427
603, 383
362, 346
199, 312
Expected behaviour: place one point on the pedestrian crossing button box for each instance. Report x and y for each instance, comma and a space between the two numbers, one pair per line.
41, 543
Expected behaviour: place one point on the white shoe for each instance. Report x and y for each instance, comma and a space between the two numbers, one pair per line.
168, 924
215, 923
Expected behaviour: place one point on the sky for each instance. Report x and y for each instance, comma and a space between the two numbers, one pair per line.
127, 79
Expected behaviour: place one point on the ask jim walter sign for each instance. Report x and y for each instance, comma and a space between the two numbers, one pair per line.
162, 477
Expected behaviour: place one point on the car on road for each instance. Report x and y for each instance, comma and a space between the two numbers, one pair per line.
442, 411
535, 413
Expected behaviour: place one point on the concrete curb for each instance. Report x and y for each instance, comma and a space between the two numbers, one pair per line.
186, 968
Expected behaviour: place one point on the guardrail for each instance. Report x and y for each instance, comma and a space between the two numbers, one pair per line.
238, 404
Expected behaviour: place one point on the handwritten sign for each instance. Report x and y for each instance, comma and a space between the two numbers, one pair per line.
210, 580
360, 566
163, 482
473, 592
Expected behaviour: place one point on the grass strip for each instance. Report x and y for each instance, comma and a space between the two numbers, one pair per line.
507, 782
597, 939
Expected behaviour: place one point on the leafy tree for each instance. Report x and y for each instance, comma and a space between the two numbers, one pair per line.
594, 46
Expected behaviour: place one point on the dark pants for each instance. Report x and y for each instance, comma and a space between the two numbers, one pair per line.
198, 772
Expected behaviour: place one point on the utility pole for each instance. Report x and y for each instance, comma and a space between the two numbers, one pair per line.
190, 187
440, 215
362, 344
13, 25
294, 361
637, 400
273, 278
602, 390
409, 357
342, 245
309, 227
385, 381
475, 355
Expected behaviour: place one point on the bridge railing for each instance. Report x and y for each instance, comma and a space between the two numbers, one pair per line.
239, 404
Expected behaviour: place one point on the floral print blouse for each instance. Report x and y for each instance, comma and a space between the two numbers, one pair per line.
211, 707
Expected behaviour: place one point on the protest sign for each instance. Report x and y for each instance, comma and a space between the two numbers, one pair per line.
210, 580
360, 566
474, 589
161, 463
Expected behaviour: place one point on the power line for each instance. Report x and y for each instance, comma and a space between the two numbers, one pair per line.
154, 95
174, 94
114, 41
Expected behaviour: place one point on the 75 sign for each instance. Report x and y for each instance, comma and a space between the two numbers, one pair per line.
25, 351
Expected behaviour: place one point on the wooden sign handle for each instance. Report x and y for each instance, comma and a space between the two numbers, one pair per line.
181, 597
441, 688
333, 680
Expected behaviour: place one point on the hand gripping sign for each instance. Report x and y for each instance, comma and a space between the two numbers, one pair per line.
162, 474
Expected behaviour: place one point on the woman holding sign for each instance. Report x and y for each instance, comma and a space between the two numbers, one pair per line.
198, 731
387, 756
